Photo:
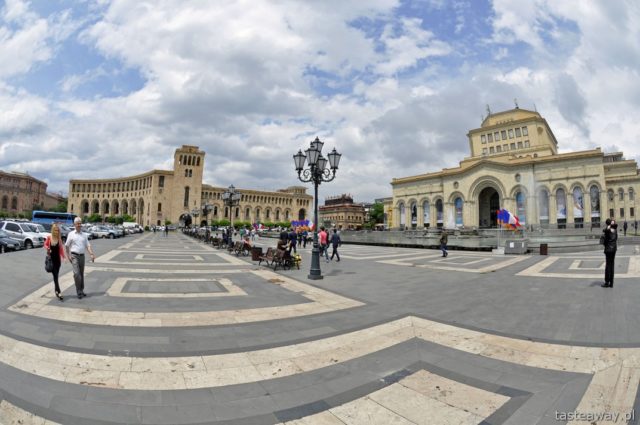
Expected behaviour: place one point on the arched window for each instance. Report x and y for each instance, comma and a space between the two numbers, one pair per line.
561, 204
159, 206
458, 206
403, 218
5, 202
186, 173
543, 206
521, 208
14, 203
215, 210
439, 212
226, 212
237, 215
414, 214
277, 214
426, 214
631, 194
620, 194
578, 203
186, 196
198, 162
610, 194
247, 213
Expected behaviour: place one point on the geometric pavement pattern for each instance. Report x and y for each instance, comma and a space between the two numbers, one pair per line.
174, 331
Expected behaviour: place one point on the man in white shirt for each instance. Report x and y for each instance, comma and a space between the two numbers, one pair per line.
76, 245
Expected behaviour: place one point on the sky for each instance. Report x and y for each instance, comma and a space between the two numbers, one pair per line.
106, 89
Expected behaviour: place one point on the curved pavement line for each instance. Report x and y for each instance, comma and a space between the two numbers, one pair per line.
616, 371
322, 301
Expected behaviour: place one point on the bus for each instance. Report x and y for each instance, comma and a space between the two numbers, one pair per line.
50, 217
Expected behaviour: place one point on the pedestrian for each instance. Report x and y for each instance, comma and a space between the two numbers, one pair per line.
76, 246
610, 234
283, 241
293, 241
54, 248
444, 238
322, 240
335, 243
166, 231
305, 236
253, 234
624, 227
635, 227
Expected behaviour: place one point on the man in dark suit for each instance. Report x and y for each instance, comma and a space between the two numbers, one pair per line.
610, 247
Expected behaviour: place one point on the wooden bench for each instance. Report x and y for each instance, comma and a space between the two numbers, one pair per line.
267, 257
282, 259
240, 248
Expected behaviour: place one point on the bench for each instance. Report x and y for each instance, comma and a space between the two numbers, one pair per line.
283, 259
240, 248
267, 257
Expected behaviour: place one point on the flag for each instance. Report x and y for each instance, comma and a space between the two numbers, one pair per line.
508, 219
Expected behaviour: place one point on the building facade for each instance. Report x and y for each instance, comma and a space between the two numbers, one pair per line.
179, 195
21, 193
515, 164
341, 212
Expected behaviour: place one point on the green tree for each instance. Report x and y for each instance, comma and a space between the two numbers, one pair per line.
377, 213
94, 218
61, 207
167, 222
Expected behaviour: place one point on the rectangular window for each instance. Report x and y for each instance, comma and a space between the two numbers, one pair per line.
161, 182
491, 150
632, 213
518, 132
525, 132
498, 148
526, 143
483, 138
503, 134
513, 146
621, 212
496, 136
490, 137
519, 145
611, 211
159, 206
510, 133
484, 151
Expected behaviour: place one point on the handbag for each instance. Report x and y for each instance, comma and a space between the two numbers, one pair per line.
48, 263
602, 240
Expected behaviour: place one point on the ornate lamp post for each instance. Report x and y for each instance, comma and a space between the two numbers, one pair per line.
206, 209
316, 173
231, 198
195, 213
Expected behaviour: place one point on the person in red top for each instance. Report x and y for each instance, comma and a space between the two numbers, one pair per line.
322, 240
54, 248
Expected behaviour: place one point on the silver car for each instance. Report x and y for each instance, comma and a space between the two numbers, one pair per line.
23, 232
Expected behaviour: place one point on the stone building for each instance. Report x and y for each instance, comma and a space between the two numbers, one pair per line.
515, 164
341, 212
21, 193
175, 195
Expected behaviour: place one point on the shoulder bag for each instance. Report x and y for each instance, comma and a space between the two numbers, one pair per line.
48, 263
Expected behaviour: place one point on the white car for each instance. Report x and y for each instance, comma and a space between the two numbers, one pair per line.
24, 233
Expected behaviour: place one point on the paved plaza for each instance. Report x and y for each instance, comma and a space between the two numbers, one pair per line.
177, 332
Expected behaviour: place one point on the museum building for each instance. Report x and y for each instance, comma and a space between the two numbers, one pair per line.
515, 164
179, 195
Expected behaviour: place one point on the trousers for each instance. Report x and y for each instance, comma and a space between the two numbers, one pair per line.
77, 262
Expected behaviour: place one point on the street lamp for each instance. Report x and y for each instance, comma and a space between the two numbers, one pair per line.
316, 173
206, 209
195, 213
231, 198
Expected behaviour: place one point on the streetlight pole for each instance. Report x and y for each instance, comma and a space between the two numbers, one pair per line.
231, 198
316, 174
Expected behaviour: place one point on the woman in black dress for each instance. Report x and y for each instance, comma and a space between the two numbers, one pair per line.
54, 248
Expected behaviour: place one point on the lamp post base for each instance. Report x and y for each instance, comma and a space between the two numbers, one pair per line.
315, 273
315, 276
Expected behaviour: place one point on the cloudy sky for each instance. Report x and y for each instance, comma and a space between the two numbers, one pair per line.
102, 89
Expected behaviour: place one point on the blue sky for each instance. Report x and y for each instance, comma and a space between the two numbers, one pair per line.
102, 89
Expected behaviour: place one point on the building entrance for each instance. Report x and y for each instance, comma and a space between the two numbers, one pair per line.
488, 206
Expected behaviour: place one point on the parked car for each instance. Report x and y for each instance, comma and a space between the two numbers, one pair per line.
7, 243
39, 228
23, 232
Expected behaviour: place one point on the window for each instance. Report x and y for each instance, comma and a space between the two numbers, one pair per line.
159, 206
631, 197
491, 150
510, 133
620, 195
519, 145
483, 138
498, 148
621, 212
513, 146
490, 137
505, 147
484, 151
161, 181
610, 194
611, 213
5, 200
631, 212
198, 162
14, 203
503, 134
186, 197
526, 143
525, 132
496, 136
518, 132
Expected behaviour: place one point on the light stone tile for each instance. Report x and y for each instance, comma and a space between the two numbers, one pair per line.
224, 361
322, 418
367, 412
277, 369
152, 381
222, 377
13, 415
167, 364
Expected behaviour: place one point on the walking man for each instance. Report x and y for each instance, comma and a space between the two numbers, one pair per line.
322, 239
335, 243
444, 238
293, 240
624, 227
76, 245
610, 247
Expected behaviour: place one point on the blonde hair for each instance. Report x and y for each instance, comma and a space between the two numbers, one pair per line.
55, 233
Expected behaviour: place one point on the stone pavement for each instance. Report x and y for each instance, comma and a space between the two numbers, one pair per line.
177, 332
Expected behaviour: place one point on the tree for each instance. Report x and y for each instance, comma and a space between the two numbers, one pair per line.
376, 213
61, 207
